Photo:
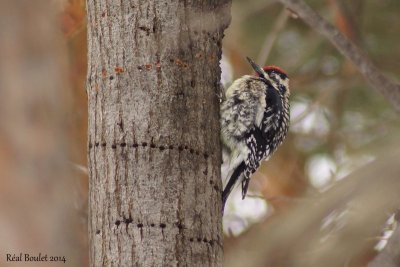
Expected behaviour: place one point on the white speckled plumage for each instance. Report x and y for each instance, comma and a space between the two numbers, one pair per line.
254, 122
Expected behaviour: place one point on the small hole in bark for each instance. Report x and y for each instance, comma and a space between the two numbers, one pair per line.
152, 225
146, 29
103, 144
117, 222
211, 182
97, 232
191, 239
205, 155
144, 144
90, 145
192, 83
96, 144
205, 172
171, 147
205, 240
198, 239
128, 220
113, 146
180, 226
111, 78
186, 147
191, 151
152, 145
162, 225
140, 225
161, 148
123, 144
197, 153
140, 68
180, 148
211, 242
135, 145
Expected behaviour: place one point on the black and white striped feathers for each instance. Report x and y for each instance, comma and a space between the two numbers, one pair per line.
254, 122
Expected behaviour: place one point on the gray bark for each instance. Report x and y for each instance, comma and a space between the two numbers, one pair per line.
153, 144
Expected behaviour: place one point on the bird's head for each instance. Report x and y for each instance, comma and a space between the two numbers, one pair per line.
274, 75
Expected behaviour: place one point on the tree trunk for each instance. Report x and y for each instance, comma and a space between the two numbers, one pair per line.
154, 151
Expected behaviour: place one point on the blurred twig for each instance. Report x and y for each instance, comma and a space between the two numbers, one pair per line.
288, 238
379, 81
80, 168
346, 17
390, 256
311, 108
255, 8
272, 36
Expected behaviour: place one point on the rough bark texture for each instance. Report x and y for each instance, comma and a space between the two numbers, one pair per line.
154, 151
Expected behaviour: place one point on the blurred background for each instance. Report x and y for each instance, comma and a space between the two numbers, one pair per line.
332, 181
338, 122
339, 125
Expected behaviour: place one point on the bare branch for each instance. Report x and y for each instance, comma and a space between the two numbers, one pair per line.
312, 107
272, 36
378, 80
390, 256
298, 238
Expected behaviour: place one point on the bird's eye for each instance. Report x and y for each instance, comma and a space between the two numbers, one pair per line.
283, 76
273, 77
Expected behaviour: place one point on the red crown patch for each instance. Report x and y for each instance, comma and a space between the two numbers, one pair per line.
274, 68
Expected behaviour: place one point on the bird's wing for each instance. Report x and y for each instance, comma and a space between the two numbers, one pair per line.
261, 140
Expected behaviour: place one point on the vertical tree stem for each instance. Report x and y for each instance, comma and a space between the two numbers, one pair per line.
154, 151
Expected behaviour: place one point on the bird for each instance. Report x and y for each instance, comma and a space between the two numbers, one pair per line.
254, 119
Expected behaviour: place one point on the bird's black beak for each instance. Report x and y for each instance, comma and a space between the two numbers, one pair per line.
256, 67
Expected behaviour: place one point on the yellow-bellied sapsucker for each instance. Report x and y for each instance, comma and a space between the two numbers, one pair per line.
254, 122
